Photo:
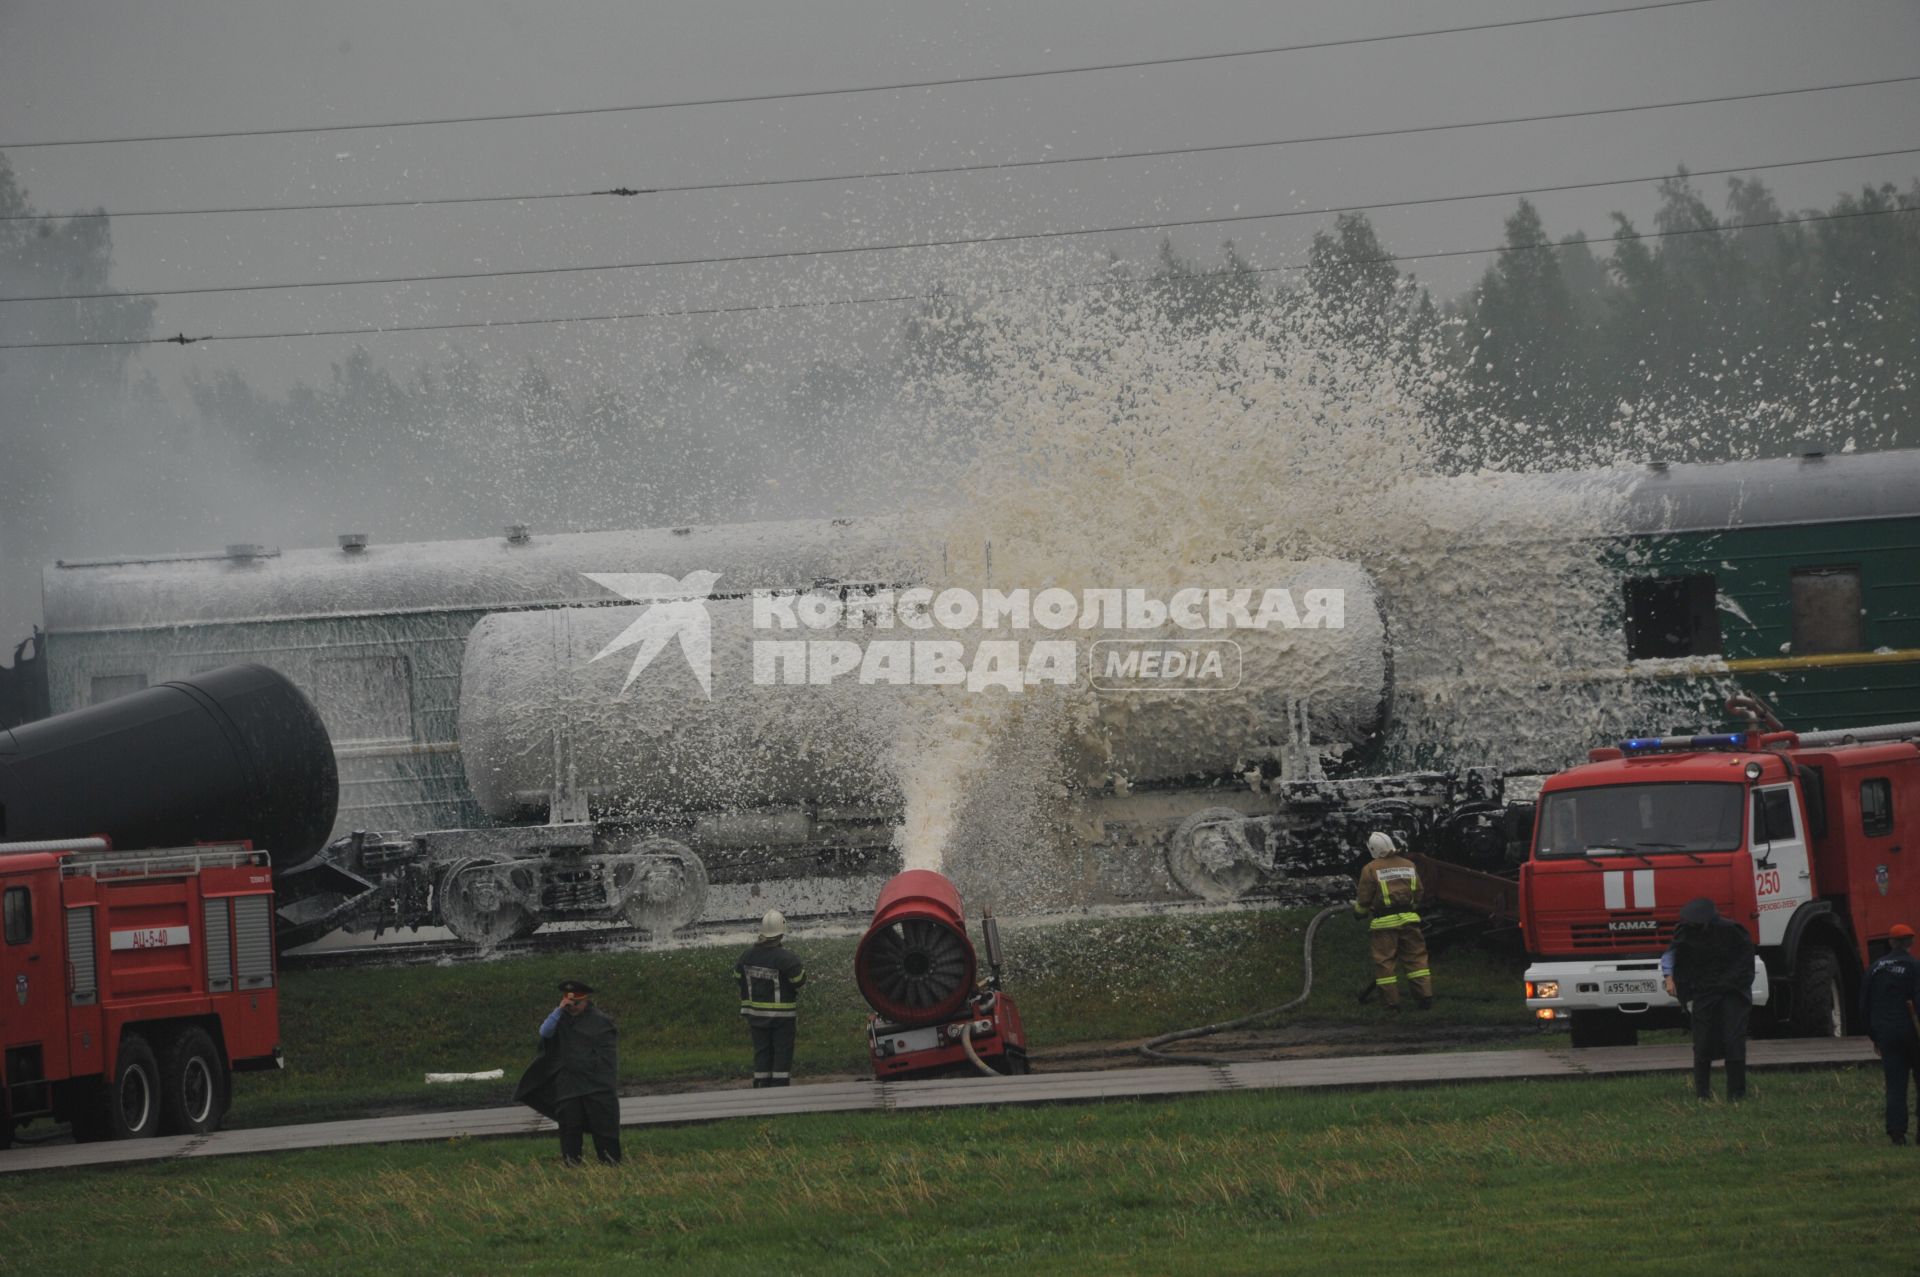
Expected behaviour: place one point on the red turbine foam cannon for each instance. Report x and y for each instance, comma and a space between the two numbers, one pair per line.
915, 965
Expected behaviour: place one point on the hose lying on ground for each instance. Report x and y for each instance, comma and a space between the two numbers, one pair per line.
1151, 1048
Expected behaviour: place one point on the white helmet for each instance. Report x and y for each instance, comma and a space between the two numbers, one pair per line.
773, 926
1382, 844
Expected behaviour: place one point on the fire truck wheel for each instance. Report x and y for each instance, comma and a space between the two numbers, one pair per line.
133, 1100
1819, 1006
194, 1098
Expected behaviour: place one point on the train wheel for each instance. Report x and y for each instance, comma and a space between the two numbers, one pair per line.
672, 892
478, 905
1205, 858
133, 1098
194, 1081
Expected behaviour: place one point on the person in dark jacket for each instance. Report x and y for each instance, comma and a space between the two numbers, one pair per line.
770, 976
1888, 998
575, 1079
1713, 976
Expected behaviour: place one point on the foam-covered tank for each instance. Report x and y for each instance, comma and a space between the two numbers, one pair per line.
546, 704
235, 754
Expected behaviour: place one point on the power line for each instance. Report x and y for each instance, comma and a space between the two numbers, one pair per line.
1571, 242
889, 87
911, 245
993, 166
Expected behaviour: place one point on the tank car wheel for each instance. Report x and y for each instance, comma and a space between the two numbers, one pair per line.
477, 907
672, 892
1207, 860
133, 1098
194, 1079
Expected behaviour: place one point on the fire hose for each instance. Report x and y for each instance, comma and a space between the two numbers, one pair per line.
1151, 1048
966, 1044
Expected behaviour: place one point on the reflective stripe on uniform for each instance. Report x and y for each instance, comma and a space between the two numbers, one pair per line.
1388, 979
768, 1006
1386, 920
1422, 974
766, 1014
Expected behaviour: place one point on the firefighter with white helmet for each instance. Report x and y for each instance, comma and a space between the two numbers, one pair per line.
770, 976
1385, 898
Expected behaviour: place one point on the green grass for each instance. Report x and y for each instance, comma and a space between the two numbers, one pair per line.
361, 1041
1600, 1176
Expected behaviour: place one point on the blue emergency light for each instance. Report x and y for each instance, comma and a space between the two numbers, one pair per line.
1649, 744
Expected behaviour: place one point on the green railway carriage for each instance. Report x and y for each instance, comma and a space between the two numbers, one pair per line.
1799, 576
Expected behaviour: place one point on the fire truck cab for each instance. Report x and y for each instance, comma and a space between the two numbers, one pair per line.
1811, 842
132, 985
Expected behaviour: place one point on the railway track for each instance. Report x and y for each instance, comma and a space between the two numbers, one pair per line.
619, 939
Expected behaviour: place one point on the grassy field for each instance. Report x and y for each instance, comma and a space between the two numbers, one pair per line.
1601, 1176
361, 1041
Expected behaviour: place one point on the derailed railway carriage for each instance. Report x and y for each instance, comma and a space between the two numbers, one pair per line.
1797, 578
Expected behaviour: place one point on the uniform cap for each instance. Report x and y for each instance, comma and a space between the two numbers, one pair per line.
1381, 844
575, 986
774, 925
1900, 931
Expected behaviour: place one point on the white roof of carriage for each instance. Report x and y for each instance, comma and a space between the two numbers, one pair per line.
494, 574
455, 576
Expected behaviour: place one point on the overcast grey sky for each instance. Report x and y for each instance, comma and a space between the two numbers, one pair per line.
70, 69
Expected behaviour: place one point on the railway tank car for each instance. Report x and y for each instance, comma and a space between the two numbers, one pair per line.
1789, 576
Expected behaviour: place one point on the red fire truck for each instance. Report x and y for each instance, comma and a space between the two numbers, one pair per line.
133, 984
1812, 841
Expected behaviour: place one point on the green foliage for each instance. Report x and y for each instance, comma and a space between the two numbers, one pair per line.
1587, 1176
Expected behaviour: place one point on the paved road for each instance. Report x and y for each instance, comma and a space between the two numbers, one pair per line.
1039, 1088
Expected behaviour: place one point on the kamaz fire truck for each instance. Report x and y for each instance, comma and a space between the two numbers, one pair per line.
133, 984
1811, 841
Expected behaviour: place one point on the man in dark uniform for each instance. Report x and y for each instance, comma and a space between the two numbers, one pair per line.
1888, 998
770, 977
576, 1076
1713, 975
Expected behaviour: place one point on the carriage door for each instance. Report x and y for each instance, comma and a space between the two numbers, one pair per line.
1782, 881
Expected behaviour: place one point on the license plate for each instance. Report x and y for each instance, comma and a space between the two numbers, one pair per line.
1629, 986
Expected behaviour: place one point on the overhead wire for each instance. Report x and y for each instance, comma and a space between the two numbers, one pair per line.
787, 254
985, 167
995, 77
1571, 242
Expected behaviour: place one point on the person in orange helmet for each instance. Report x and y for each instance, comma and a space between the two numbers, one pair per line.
1887, 1002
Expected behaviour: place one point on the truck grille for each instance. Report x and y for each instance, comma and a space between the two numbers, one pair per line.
1591, 936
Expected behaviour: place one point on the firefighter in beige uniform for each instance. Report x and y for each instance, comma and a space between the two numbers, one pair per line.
1385, 896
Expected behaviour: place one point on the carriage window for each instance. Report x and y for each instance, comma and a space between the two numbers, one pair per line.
108, 686
1672, 616
364, 698
19, 915
1876, 807
1826, 611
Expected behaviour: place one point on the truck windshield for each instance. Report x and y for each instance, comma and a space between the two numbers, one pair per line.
1645, 820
